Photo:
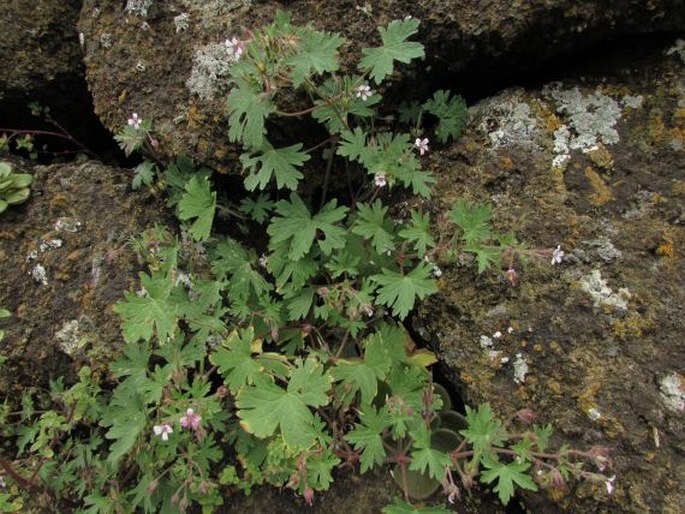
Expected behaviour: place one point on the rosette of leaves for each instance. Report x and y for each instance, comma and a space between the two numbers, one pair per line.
14, 187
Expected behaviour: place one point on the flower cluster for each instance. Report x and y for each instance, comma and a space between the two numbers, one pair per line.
189, 420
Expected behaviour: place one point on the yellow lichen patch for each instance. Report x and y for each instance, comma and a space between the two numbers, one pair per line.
678, 134
506, 163
550, 120
655, 126
602, 192
195, 117
633, 325
602, 157
554, 386
678, 188
667, 246
59, 202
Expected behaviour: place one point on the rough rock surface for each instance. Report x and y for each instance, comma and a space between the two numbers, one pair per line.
38, 43
166, 61
593, 344
65, 262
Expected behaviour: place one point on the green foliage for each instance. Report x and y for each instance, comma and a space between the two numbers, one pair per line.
451, 113
278, 362
265, 407
507, 475
399, 291
198, 202
395, 48
281, 163
298, 229
14, 187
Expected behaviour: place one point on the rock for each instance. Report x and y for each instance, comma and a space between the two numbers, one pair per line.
167, 60
39, 44
66, 261
591, 343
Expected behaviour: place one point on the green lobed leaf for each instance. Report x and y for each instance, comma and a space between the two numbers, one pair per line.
419, 233
484, 430
425, 458
264, 407
473, 220
395, 47
151, 313
199, 202
508, 476
317, 53
278, 163
248, 109
235, 361
372, 224
298, 227
485, 255
144, 175
399, 291
258, 208
451, 113
367, 436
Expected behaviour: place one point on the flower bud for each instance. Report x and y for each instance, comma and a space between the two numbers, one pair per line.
309, 495
527, 416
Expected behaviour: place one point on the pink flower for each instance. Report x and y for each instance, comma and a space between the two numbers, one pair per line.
309, 495
610, 484
557, 255
380, 180
234, 48
364, 92
134, 121
190, 420
163, 431
422, 145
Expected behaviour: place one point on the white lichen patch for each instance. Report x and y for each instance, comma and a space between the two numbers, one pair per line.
507, 121
139, 7
597, 288
39, 274
210, 74
672, 391
69, 337
182, 22
678, 49
603, 248
632, 102
485, 342
594, 414
67, 225
590, 120
520, 369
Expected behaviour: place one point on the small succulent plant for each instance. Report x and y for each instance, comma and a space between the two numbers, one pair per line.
14, 187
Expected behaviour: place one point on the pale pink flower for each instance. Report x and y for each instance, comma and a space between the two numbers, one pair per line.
234, 48
557, 255
163, 431
380, 180
134, 121
421, 144
190, 420
364, 92
610, 484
